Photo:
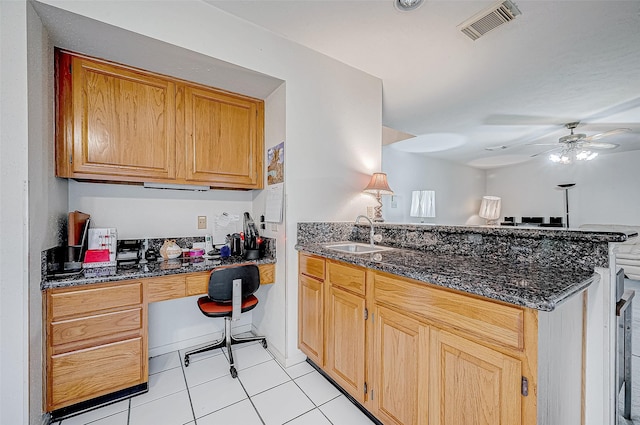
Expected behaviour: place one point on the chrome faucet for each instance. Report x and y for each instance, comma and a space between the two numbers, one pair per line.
371, 233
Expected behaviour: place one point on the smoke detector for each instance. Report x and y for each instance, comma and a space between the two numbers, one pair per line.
486, 20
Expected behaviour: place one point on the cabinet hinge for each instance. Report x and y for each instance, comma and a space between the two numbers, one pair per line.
371, 394
365, 387
525, 386
70, 159
366, 314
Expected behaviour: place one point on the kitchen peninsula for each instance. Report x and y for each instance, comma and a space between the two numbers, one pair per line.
460, 324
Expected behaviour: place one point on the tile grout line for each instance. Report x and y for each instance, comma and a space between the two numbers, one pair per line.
250, 400
312, 402
186, 383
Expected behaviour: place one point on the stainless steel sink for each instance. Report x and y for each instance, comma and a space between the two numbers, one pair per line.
357, 248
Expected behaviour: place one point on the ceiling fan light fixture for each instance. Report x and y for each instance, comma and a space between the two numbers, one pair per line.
560, 158
407, 5
586, 155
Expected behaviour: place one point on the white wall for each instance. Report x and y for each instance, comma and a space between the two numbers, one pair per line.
458, 188
606, 190
14, 289
47, 195
269, 317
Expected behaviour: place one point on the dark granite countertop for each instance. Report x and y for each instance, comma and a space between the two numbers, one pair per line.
541, 287
155, 269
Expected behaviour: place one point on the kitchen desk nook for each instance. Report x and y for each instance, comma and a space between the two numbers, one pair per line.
460, 325
96, 328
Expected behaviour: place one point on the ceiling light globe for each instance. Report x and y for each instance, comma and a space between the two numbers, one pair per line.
407, 5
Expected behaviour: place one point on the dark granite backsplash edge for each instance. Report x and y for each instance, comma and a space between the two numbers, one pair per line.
51, 259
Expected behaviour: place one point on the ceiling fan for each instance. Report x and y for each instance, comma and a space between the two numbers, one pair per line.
576, 146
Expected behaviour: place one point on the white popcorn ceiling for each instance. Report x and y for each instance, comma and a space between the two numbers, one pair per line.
560, 61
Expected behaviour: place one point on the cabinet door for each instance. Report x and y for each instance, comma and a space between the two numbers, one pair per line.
311, 319
472, 384
400, 370
223, 139
123, 123
345, 344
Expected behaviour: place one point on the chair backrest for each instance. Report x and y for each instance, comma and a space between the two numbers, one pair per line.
221, 281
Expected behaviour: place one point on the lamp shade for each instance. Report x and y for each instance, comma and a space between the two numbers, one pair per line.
423, 203
490, 207
378, 185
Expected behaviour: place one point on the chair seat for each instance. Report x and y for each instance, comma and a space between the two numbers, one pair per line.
211, 308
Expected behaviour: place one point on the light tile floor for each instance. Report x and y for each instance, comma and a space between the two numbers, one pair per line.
205, 394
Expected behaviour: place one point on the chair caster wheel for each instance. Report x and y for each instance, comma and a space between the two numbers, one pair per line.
264, 344
186, 361
234, 372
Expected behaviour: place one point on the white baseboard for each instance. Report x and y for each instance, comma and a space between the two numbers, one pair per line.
192, 342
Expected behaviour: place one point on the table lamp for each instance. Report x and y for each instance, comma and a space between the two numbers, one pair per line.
490, 209
378, 186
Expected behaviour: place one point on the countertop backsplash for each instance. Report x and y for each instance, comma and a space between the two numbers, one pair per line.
519, 245
52, 259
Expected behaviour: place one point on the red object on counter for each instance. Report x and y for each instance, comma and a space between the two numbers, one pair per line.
96, 256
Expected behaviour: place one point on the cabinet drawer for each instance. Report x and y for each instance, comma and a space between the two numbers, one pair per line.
197, 283
98, 326
82, 375
346, 276
267, 273
165, 288
311, 266
486, 320
64, 303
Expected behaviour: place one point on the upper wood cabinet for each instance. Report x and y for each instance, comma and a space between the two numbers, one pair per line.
221, 138
117, 123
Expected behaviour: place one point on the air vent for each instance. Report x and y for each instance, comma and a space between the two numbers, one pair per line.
488, 19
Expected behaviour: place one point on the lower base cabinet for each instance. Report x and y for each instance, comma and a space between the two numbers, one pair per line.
415, 354
95, 341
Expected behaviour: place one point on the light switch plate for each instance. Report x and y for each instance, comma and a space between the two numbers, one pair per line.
202, 222
370, 212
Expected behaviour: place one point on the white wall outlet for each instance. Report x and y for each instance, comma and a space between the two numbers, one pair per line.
370, 212
274, 227
202, 222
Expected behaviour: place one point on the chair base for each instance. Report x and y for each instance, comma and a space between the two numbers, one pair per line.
227, 340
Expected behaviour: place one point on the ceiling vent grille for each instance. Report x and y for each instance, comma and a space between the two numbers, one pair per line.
488, 19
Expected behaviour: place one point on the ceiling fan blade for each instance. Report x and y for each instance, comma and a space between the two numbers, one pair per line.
544, 152
606, 134
542, 144
599, 145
